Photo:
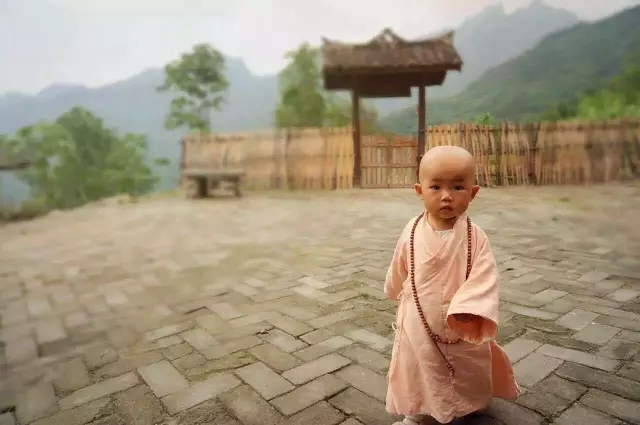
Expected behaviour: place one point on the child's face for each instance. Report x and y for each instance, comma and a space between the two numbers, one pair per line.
446, 189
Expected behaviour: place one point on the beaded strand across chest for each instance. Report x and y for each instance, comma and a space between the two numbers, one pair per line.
412, 271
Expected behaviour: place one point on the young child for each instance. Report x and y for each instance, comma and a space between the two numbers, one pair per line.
445, 363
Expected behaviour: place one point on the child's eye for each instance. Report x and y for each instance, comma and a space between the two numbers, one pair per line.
434, 187
459, 188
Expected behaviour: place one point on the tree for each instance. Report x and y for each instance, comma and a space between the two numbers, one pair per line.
77, 160
305, 103
199, 82
302, 99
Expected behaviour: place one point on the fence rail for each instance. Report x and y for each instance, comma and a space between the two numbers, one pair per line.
543, 153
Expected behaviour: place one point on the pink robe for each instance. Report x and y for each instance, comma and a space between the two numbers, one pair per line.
418, 379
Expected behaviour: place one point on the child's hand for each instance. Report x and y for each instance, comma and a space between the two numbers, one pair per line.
464, 317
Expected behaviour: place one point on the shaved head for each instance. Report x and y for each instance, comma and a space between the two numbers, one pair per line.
447, 159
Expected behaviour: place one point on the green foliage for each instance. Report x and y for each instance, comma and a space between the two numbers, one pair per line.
559, 69
619, 98
200, 80
77, 160
304, 102
484, 119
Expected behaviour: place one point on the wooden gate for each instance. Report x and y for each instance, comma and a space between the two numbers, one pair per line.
388, 163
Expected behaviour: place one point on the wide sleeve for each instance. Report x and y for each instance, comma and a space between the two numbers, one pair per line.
478, 296
397, 272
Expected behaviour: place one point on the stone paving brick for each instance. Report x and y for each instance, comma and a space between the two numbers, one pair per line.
168, 331
628, 324
613, 405
96, 391
630, 371
128, 362
199, 339
189, 361
162, 378
7, 419
199, 392
138, 406
317, 336
330, 319
620, 349
321, 413
543, 402
298, 313
371, 339
39, 307
593, 276
315, 368
284, 341
76, 319
122, 337
231, 347
369, 358
176, 351
578, 415
290, 325
71, 375
366, 409
250, 408
309, 394
534, 368
264, 380
99, 355
80, 415
510, 413
37, 402
365, 380
20, 350
624, 295
548, 296
225, 311
322, 348
576, 356
560, 387
338, 297
314, 283
596, 334
252, 319
50, 330
274, 357
598, 379
531, 312
520, 348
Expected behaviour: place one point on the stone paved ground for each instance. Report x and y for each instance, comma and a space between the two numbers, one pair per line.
269, 309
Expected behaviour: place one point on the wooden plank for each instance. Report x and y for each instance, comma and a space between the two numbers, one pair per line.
375, 159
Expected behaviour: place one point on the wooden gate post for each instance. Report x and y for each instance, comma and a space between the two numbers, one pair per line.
422, 123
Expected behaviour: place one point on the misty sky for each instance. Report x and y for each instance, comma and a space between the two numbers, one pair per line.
94, 42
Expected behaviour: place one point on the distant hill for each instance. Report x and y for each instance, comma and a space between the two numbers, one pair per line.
558, 69
132, 105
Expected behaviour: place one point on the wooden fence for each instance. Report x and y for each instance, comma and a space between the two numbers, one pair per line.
310, 158
569, 152
508, 154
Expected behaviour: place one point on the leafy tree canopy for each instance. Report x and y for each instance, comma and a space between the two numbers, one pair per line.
76, 160
199, 80
304, 102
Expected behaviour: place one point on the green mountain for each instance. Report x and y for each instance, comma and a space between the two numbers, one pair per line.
560, 68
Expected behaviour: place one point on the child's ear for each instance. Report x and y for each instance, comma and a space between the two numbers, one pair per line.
418, 188
474, 191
